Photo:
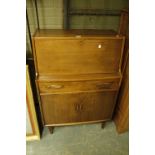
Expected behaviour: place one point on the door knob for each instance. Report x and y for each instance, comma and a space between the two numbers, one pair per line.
99, 46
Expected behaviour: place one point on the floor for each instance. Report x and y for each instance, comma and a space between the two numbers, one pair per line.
81, 140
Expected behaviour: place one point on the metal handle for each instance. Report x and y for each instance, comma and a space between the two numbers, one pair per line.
76, 107
104, 85
55, 86
81, 107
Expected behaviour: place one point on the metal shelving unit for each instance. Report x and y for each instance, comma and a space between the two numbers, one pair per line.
84, 12
95, 12
28, 24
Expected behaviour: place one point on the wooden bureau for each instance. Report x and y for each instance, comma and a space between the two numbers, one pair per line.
78, 74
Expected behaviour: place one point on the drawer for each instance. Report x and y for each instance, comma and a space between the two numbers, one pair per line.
78, 107
78, 86
78, 56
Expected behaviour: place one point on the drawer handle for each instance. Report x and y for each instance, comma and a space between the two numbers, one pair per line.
55, 86
104, 85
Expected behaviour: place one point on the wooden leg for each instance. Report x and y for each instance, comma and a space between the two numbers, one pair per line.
51, 128
103, 125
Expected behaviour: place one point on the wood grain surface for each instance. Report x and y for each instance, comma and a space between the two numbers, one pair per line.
78, 107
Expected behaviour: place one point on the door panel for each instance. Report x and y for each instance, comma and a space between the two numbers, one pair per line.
77, 107
78, 56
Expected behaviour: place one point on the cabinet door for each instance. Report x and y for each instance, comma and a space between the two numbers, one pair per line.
77, 107
74, 56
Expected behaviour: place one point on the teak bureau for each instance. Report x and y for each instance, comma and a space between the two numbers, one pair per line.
78, 75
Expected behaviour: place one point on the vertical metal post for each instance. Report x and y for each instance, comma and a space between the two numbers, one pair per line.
28, 27
36, 7
66, 5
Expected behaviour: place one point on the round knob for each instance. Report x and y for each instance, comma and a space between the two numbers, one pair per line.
99, 46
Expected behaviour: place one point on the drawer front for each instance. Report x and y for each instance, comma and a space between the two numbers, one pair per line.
78, 86
78, 107
78, 56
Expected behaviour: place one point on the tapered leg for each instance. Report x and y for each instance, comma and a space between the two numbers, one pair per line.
51, 129
103, 125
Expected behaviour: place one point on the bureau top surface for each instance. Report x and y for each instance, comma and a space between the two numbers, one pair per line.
74, 33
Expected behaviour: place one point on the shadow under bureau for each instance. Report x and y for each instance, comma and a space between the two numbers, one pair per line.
78, 75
